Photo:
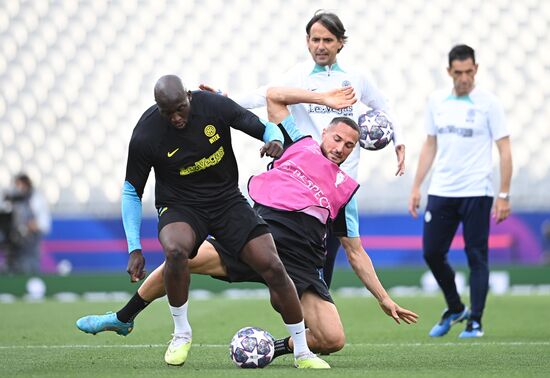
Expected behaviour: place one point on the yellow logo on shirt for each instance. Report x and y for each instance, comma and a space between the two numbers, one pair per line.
204, 163
170, 154
210, 132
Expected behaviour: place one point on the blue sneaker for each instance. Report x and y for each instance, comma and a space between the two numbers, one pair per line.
448, 319
473, 329
98, 323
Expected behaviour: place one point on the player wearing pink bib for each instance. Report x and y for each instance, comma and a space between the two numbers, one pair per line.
318, 192
313, 185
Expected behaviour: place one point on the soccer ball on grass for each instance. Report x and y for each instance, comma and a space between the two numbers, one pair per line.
252, 347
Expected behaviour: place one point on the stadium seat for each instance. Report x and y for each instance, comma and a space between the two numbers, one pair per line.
77, 76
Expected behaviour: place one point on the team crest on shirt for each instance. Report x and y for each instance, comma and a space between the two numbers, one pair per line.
346, 83
340, 177
471, 115
210, 132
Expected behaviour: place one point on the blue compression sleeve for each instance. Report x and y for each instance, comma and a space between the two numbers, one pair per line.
289, 123
272, 132
131, 216
352, 219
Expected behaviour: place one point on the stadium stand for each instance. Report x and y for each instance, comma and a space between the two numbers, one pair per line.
76, 76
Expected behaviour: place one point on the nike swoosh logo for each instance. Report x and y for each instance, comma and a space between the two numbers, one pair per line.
170, 154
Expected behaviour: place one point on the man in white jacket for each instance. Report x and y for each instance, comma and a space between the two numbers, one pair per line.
325, 37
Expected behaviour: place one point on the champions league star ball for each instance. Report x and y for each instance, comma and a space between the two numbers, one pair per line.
252, 347
376, 130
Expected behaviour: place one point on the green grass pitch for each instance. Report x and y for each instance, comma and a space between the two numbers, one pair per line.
40, 339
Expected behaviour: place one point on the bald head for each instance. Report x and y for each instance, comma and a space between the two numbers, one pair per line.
169, 88
173, 100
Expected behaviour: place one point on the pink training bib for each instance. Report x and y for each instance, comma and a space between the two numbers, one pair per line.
302, 179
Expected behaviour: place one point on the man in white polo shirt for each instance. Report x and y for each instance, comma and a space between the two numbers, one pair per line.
325, 38
461, 125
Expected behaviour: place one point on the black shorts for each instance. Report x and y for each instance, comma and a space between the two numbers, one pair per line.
299, 239
233, 223
339, 226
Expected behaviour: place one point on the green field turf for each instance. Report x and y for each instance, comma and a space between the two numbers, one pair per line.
40, 339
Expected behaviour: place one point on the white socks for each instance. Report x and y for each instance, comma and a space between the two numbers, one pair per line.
182, 327
298, 333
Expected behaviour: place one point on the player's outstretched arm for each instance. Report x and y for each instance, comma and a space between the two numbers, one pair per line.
208, 88
250, 100
279, 97
362, 266
397, 312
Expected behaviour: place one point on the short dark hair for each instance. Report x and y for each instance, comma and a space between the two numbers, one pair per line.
461, 52
24, 178
330, 21
348, 121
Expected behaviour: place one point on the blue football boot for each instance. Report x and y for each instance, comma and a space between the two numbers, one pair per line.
109, 322
473, 329
448, 319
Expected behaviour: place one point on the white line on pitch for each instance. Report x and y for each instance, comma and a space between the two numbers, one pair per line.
373, 345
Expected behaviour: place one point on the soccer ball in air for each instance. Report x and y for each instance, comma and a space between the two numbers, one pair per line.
252, 347
376, 130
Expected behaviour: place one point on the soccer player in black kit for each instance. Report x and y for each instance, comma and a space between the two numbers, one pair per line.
186, 138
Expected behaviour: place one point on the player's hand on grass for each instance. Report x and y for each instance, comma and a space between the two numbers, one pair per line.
396, 312
400, 152
136, 266
414, 202
272, 149
340, 98
204, 87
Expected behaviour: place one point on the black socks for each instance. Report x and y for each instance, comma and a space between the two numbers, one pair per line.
134, 306
282, 347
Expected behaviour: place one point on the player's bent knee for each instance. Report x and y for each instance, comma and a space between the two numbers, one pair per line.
175, 253
269, 267
334, 342
275, 273
277, 267
330, 343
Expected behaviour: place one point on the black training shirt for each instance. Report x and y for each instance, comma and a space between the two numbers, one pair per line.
194, 165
